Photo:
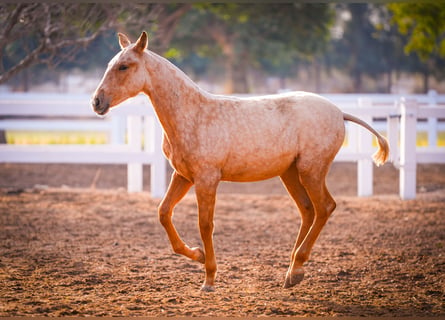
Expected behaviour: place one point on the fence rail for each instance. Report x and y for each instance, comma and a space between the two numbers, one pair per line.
135, 135
125, 126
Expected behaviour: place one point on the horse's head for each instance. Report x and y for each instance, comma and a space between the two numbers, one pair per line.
125, 76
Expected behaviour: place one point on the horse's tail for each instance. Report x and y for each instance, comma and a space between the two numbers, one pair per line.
382, 154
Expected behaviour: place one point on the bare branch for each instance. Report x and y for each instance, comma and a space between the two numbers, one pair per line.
55, 34
11, 21
30, 59
168, 24
52, 32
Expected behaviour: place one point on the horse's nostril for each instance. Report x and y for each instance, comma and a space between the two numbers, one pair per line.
96, 102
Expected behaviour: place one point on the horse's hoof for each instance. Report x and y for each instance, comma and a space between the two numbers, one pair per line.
207, 288
294, 278
199, 255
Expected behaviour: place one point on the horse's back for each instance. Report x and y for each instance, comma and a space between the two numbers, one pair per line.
267, 134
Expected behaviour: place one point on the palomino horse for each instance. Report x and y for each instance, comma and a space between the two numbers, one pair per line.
209, 138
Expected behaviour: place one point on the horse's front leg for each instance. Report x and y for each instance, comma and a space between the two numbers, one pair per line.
176, 191
205, 187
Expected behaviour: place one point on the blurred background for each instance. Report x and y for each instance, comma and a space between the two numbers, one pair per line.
231, 48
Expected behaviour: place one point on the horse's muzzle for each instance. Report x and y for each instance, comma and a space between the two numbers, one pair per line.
100, 106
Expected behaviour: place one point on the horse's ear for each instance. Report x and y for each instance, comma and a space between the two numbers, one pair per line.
123, 40
142, 42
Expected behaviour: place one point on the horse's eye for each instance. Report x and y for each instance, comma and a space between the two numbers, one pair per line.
123, 67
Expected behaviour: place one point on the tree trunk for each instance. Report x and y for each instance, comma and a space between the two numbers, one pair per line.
283, 83
239, 74
389, 82
426, 82
229, 85
2, 136
357, 82
317, 75
25, 80
235, 64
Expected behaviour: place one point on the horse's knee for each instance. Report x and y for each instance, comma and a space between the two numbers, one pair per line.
306, 205
308, 212
206, 225
164, 214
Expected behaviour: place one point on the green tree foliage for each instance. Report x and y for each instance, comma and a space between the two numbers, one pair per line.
269, 36
424, 23
232, 38
359, 51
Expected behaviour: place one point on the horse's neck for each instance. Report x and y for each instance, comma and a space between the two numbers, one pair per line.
175, 97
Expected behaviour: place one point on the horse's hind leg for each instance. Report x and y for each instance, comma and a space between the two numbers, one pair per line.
313, 182
176, 191
291, 181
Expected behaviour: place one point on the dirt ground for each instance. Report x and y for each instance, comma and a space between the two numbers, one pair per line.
74, 242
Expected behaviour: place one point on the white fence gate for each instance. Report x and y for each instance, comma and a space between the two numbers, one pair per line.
397, 115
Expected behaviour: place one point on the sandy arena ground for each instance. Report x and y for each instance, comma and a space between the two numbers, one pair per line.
74, 242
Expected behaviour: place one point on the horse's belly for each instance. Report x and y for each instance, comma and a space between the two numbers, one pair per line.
255, 168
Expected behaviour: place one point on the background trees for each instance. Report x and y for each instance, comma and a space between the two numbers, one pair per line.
424, 25
243, 42
266, 36
54, 33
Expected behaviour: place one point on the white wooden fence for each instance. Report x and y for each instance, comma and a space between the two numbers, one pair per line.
402, 115
397, 115
134, 120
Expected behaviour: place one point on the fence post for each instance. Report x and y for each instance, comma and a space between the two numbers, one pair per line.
392, 128
117, 135
364, 166
408, 135
134, 170
432, 122
153, 140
